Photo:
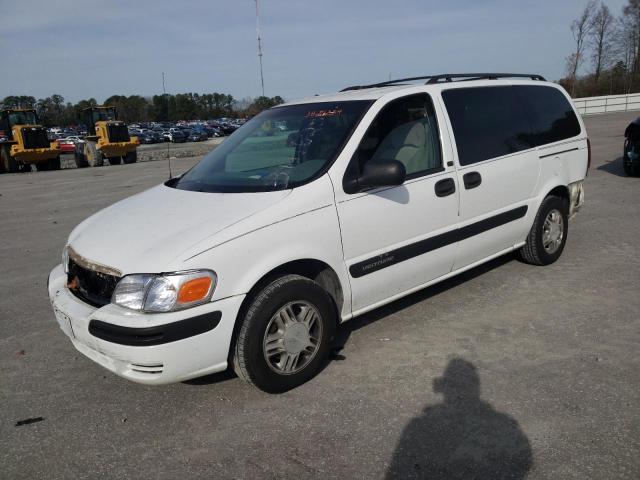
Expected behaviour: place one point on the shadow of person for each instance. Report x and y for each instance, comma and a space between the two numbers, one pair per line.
464, 437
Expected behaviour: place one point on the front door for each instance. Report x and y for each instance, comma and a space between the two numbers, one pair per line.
398, 238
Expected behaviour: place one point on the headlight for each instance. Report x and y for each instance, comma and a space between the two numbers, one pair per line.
165, 292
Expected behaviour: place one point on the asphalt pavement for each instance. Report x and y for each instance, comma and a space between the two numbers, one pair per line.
531, 371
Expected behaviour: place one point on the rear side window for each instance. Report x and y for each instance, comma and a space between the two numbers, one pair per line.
487, 122
550, 113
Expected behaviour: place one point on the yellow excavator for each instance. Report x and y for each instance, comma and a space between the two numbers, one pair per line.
107, 138
27, 143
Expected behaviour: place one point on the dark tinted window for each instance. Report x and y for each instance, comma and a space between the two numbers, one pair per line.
487, 122
405, 130
552, 117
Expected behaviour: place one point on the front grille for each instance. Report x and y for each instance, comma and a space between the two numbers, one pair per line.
35, 137
94, 288
118, 132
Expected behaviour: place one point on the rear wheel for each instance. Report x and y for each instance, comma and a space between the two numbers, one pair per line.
54, 163
131, 157
9, 163
81, 160
548, 235
630, 170
285, 335
43, 166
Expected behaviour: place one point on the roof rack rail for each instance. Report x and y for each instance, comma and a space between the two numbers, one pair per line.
448, 77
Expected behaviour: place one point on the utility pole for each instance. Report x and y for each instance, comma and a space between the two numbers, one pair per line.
259, 46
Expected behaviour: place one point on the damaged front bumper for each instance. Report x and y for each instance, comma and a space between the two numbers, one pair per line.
147, 348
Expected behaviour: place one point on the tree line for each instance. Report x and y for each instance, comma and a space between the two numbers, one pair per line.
606, 56
54, 111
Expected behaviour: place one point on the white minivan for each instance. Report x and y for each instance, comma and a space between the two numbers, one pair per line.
315, 212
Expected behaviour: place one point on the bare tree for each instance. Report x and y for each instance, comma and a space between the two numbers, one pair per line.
625, 47
580, 28
600, 39
631, 20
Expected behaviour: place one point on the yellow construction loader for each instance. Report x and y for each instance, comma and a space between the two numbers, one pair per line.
107, 138
26, 144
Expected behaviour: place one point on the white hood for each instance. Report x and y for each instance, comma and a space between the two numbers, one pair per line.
146, 232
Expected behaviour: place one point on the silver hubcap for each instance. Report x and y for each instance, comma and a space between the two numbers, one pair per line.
292, 337
552, 231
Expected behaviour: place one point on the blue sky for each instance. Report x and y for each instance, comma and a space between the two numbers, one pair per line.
88, 48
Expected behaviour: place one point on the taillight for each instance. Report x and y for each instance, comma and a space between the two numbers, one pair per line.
588, 155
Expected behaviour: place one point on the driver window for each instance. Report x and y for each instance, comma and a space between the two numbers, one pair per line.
405, 130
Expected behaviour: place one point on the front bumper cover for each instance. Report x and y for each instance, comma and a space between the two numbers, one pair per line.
147, 348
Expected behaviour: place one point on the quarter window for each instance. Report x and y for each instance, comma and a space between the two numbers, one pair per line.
405, 130
487, 123
551, 115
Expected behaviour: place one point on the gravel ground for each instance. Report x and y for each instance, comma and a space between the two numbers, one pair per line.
510, 370
161, 151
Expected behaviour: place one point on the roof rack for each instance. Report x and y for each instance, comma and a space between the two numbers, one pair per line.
448, 77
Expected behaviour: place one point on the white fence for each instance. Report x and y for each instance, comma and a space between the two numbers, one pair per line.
609, 103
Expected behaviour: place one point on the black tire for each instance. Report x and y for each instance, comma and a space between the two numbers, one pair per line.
8, 163
131, 157
43, 166
249, 360
115, 160
54, 163
630, 171
534, 252
81, 160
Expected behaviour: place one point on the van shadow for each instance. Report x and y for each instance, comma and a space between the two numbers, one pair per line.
613, 167
346, 329
463, 437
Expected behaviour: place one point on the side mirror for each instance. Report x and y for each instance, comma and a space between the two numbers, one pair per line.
382, 173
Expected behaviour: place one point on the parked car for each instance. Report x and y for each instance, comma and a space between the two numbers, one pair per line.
145, 139
175, 136
228, 128
255, 255
631, 153
67, 145
198, 136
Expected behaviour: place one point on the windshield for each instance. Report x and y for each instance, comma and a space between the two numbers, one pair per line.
278, 149
27, 117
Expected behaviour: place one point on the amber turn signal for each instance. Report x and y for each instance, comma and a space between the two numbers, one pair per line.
194, 290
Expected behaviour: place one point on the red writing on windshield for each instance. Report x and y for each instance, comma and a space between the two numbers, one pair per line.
323, 113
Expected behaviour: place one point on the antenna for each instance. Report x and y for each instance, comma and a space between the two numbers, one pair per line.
164, 98
259, 46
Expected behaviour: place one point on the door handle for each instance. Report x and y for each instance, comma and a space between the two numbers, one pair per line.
471, 180
445, 187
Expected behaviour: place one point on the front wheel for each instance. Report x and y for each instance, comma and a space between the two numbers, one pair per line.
7, 162
131, 157
285, 335
548, 235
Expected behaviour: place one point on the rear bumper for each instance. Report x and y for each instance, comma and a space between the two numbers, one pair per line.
576, 197
147, 348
